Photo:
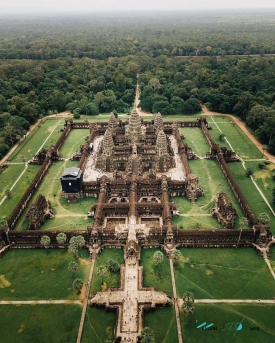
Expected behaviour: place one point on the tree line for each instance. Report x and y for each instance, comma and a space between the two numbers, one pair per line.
33, 89
100, 36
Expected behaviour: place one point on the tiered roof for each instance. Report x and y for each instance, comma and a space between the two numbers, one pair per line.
158, 122
112, 123
108, 144
134, 132
161, 143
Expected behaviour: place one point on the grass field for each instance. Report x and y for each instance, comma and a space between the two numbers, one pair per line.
226, 319
224, 274
99, 325
272, 257
241, 144
110, 279
41, 137
39, 323
159, 277
7, 179
251, 193
162, 321
68, 216
212, 181
30, 274
195, 140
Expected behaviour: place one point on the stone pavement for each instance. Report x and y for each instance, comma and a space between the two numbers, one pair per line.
91, 173
131, 298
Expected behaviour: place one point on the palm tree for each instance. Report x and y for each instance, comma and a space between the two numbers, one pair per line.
101, 271
73, 267
158, 257
264, 218
61, 238
78, 241
243, 224
77, 285
176, 255
73, 249
113, 266
147, 335
45, 241
188, 303
4, 226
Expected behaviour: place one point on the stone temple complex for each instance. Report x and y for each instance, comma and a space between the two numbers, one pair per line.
133, 168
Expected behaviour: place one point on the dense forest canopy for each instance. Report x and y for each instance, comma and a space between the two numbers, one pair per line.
90, 64
103, 35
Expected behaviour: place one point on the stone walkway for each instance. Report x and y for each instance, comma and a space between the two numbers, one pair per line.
85, 303
131, 298
91, 173
40, 302
176, 302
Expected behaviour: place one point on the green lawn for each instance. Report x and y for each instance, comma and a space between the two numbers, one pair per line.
30, 274
225, 316
99, 325
195, 139
263, 178
212, 181
272, 257
240, 143
39, 323
224, 274
73, 141
40, 137
252, 195
162, 321
159, 277
110, 279
7, 179
68, 216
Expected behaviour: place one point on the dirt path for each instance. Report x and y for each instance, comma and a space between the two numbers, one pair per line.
242, 126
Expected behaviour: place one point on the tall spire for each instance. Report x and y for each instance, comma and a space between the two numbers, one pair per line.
134, 132
158, 123
107, 144
112, 123
161, 143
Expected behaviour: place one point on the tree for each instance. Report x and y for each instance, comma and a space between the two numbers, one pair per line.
243, 223
113, 266
147, 335
188, 303
101, 271
77, 241
61, 238
4, 148
8, 193
221, 136
176, 255
77, 285
249, 172
273, 195
264, 218
73, 267
3, 225
73, 249
45, 241
158, 257
155, 84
